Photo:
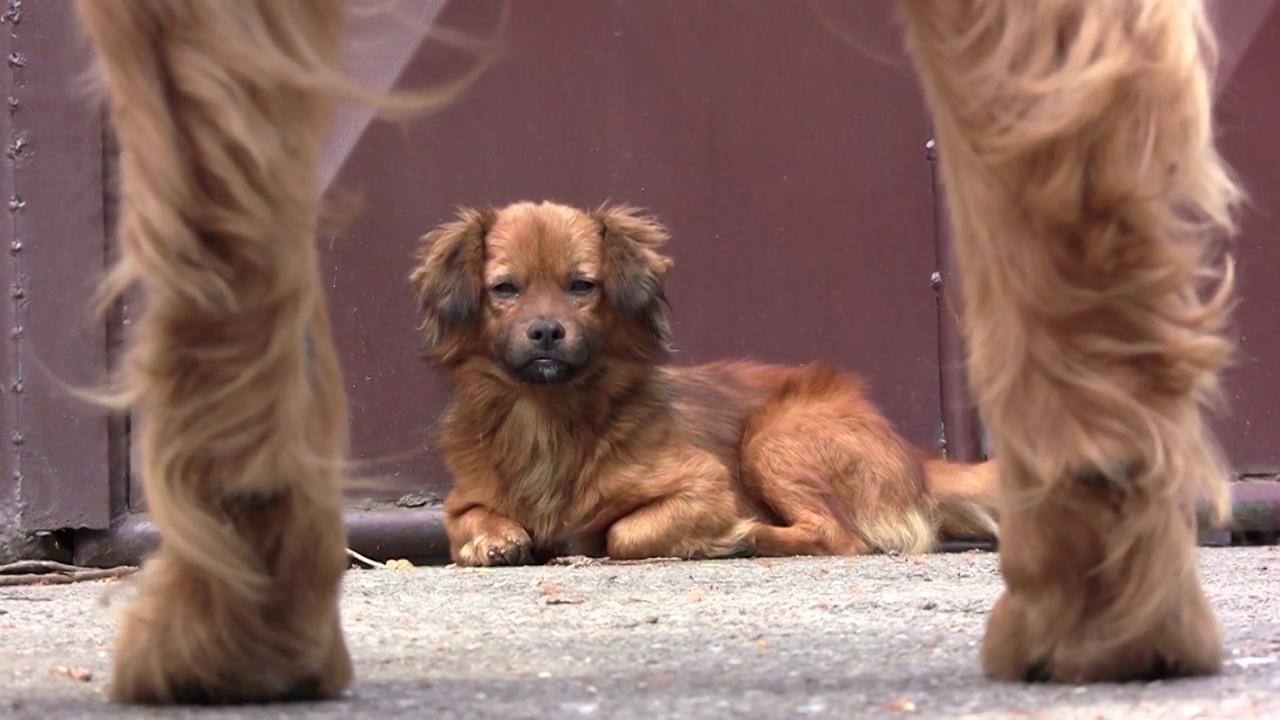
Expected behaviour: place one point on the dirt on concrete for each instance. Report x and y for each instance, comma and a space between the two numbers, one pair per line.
877, 637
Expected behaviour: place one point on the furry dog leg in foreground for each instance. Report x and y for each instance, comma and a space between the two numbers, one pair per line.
220, 111
1077, 148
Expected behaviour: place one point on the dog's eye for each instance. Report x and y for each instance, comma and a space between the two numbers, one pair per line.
505, 290
581, 287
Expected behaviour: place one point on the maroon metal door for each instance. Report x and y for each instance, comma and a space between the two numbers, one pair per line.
55, 449
1248, 111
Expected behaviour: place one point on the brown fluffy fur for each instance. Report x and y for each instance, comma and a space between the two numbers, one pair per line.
631, 456
1076, 144
1077, 150
232, 371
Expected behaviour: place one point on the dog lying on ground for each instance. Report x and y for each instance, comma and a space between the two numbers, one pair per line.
571, 433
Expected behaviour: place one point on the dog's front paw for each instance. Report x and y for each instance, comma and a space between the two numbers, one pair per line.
187, 639
512, 547
1080, 607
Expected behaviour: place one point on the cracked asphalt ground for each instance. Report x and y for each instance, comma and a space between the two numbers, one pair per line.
875, 637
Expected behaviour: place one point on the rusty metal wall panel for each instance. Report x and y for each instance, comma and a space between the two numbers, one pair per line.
8, 358
1248, 110
55, 450
790, 166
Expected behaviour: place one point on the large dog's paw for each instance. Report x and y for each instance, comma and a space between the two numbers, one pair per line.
509, 546
1101, 587
1023, 645
184, 641
147, 672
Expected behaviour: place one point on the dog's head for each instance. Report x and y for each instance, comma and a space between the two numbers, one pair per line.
544, 291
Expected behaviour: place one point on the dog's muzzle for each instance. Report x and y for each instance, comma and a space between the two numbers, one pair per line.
545, 371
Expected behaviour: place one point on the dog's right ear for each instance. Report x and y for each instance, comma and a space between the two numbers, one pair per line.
448, 280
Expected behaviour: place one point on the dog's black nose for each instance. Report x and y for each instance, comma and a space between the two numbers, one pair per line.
546, 334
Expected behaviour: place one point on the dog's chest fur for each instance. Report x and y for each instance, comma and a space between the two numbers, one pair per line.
546, 468
548, 464
562, 461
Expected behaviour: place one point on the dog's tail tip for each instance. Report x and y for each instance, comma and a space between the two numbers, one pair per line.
966, 495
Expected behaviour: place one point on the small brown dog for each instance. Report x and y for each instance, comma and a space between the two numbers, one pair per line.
570, 433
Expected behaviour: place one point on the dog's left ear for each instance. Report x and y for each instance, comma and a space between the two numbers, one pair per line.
448, 280
634, 271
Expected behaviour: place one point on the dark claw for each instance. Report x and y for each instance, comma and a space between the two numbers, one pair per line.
515, 554
1038, 672
304, 690
1160, 669
742, 550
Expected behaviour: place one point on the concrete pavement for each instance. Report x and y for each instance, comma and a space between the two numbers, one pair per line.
878, 637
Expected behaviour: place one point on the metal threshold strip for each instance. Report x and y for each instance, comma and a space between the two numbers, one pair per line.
417, 534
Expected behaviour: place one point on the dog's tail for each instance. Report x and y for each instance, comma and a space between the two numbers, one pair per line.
965, 496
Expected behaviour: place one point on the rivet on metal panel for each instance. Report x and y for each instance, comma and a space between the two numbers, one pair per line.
17, 148
930, 150
13, 14
16, 333
17, 292
935, 280
16, 387
16, 438
14, 104
17, 59
17, 204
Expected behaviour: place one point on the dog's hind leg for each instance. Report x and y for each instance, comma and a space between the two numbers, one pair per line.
1088, 200
220, 109
834, 473
688, 509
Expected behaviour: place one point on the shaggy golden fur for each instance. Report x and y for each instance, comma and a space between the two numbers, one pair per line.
571, 433
220, 109
1077, 150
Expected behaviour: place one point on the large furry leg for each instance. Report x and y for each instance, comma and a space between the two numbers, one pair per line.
1077, 150
220, 108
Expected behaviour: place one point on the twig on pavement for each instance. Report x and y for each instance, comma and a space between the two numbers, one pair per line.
49, 572
364, 560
